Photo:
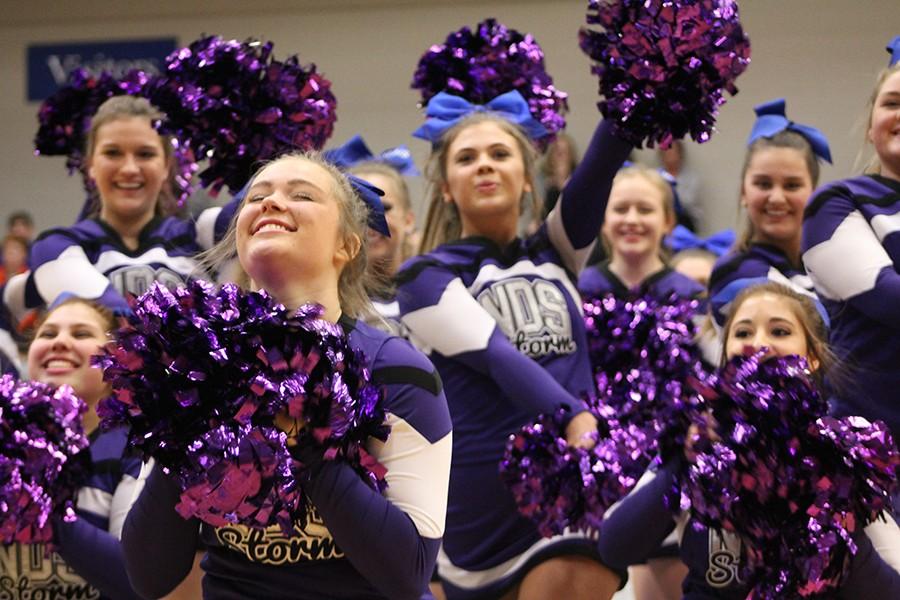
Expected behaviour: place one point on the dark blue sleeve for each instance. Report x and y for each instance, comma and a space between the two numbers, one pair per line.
158, 544
870, 576
378, 538
584, 197
635, 528
95, 555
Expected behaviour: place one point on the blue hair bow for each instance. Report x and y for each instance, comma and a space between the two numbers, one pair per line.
771, 120
446, 110
894, 49
355, 151
683, 238
371, 195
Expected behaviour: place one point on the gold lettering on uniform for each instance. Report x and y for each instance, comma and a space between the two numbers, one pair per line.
27, 574
271, 547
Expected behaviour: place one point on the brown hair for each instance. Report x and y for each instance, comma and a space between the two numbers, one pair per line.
353, 280
126, 107
387, 171
442, 222
815, 329
548, 162
108, 321
782, 139
874, 164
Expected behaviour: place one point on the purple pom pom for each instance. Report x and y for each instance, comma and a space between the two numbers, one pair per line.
793, 484
235, 106
644, 359
65, 119
663, 67
560, 487
200, 378
42, 462
492, 60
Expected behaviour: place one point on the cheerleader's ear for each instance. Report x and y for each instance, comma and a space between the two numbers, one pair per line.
445, 193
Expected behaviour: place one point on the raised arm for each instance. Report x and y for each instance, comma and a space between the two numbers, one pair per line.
845, 257
575, 221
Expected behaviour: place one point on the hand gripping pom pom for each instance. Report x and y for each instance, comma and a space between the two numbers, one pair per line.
42, 458
793, 484
663, 66
643, 357
493, 59
201, 375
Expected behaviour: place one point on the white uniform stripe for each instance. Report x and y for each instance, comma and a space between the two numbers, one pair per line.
94, 501
71, 270
464, 579
885, 225
206, 227
455, 305
112, 259
844, 276
556, 231
418, 476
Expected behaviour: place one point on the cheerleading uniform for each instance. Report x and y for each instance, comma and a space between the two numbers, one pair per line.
88, 563
598, 281
851, 246
388, 309
714, 559
504, 327
358, 544
758, 264
90, 260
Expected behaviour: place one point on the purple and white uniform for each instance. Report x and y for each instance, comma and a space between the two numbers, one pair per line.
504, 327
851, 247
633, 529
359, 544
597, 281
89, 563
758, 264
90, 260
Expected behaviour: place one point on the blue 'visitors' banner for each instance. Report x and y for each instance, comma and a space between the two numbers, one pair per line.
49, 65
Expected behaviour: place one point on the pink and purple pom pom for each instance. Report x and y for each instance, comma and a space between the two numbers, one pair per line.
493, 59
199, 378
794, 484
664, 66
234, 105
42, 458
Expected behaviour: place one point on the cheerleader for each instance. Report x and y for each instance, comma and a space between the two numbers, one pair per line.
126, 243
387, 251
851, 247
89, 562
786, 322
501, 319
300, 234
639, 215
780, 171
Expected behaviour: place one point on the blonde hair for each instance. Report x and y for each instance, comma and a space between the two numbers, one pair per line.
127, 107
442, 222
874, 165
782, 139
353, 279
667, 197
814, 327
